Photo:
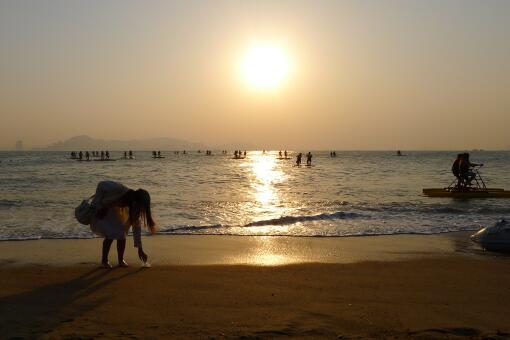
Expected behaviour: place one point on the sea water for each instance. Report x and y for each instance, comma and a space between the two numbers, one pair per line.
355, 193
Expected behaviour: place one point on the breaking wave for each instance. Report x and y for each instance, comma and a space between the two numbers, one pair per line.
284, 220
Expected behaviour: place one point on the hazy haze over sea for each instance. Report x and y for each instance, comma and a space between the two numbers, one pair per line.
356, 193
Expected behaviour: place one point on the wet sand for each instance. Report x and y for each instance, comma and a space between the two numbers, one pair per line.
441, 287
251, 250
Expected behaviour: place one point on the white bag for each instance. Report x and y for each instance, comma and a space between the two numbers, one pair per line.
84, 212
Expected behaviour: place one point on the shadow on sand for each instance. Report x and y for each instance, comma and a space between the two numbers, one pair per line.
34, 313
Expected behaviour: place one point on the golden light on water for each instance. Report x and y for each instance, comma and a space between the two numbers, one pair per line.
263, 166
265, 177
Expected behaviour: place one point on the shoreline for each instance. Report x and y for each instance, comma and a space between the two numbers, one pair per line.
248, 235
244, 250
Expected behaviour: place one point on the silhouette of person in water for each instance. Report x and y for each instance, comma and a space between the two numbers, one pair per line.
87, 155
309, 158
285, 153
244, 153
280, 153
298, 159
102, 155
80, 156
130, 154
107, 154
159, 153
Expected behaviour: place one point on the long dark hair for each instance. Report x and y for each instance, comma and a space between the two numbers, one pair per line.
139, 204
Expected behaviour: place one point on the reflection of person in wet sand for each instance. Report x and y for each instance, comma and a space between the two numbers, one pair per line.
117, 209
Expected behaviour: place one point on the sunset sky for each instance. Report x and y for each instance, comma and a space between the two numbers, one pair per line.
276, 74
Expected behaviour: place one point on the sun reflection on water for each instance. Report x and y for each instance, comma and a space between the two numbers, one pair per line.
265, 176
266, 195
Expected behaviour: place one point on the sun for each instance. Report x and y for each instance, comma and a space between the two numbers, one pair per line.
265, 66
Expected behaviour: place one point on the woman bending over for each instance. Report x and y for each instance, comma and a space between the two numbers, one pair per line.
117, 209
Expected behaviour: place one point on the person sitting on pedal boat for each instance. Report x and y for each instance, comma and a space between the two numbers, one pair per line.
456, 170
467, 175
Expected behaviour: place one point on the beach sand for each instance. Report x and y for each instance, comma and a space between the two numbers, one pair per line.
437, 286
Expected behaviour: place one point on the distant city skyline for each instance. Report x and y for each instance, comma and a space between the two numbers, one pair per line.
318, 75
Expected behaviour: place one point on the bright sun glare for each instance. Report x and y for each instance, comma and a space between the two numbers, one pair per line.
265, 66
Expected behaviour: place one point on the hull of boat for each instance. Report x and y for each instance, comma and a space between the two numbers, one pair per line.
489, 193
494, 238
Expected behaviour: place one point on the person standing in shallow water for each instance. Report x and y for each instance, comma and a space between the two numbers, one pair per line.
117, 209
309, 158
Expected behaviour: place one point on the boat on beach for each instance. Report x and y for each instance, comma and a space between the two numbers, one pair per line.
494, 238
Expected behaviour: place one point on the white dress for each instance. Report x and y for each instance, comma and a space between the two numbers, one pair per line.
116, 224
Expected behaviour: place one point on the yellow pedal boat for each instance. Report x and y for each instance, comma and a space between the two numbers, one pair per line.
476, 193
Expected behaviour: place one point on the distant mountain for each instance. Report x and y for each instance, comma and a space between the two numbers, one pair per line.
89, 143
